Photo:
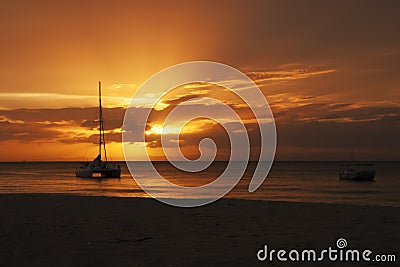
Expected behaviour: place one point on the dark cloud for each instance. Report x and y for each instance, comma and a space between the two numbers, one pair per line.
337, 112
340, 139
303, 127
82, 116
286, 74
178, 100
53, 124
27, 132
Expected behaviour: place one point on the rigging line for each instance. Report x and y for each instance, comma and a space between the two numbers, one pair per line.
101, 134
104, 141
86, 146
101, 124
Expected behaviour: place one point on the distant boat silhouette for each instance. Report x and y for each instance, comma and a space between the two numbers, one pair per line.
358, 172
105, 168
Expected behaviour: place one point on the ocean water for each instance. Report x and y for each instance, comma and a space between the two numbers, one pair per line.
315, 182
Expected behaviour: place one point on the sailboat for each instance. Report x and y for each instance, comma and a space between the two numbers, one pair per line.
105, 168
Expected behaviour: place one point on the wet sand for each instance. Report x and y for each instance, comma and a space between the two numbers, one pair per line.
59, 230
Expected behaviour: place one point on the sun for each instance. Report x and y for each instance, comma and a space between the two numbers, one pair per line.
155, 129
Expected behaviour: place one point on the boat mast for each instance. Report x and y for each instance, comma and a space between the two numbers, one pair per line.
100, 121
102, 140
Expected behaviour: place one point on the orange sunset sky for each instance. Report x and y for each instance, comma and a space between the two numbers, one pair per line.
329, 70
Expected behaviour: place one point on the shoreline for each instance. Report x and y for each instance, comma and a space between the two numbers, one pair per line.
255, 161
102, 231
223, 198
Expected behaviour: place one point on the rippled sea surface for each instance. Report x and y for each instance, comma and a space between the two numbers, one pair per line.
316, 182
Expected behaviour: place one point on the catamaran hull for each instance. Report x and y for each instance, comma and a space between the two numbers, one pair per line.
110, 173
84, 174
106, 173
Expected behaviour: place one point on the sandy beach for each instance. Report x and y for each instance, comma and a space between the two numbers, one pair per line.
60, 230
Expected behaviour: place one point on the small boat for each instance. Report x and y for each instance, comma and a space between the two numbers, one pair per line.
358, 172
105, 168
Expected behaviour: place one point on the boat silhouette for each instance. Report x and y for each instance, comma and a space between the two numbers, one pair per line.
358, 172
105, 168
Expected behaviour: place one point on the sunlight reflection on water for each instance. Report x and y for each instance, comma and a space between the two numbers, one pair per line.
287, 181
